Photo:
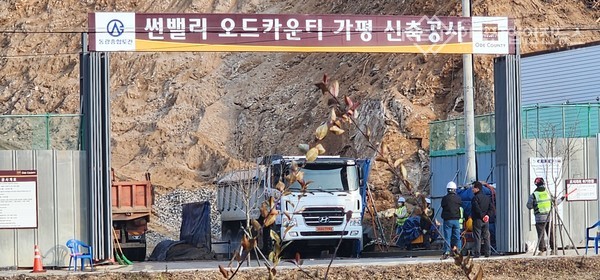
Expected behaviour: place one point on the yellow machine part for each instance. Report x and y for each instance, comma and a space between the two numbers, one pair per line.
469, 224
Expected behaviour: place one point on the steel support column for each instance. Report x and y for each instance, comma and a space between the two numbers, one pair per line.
95, 108
511, 196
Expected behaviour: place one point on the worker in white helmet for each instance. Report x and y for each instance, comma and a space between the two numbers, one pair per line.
401, 215
451, 213
428, 209
430, 216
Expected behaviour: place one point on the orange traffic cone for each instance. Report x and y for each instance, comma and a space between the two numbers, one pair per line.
37, 261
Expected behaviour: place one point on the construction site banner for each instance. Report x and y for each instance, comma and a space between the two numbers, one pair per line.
300, 33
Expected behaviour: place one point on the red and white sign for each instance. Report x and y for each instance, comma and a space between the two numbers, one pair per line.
300, 33
582, 189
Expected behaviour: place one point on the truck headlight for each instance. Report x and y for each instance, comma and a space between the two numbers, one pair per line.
355, 222
289, 223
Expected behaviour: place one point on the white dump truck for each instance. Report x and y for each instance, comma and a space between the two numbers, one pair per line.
317, 216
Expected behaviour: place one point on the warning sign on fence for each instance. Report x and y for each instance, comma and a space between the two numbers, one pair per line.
18, 199
582, 189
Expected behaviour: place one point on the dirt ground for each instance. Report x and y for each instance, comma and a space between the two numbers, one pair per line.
188, 117
543, 268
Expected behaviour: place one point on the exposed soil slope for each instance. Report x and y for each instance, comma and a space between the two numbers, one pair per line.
185, 117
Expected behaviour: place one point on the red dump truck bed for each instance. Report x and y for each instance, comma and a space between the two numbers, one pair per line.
131, 199
131, 209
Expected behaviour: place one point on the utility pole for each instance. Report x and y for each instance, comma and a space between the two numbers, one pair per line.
468, 105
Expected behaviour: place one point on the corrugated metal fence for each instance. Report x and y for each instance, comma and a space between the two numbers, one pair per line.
514, 230
63, 211
580, 163
73, 186
556, 77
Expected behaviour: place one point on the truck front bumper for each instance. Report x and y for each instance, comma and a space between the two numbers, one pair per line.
325, 232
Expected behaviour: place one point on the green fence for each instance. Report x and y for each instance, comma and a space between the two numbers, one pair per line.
448, 137
560, 121
40, 132
538, 121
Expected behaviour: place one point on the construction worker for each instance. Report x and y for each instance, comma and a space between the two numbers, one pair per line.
430, 213
541, 203
401, 215
425, 225
480, 211
428, 209
451, 213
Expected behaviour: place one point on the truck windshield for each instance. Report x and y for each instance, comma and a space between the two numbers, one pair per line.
328, 178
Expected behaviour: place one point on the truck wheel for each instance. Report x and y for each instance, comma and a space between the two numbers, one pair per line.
135, 254
266, 242
347, 249
231, 231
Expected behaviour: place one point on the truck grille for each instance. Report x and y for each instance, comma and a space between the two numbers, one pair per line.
323, 216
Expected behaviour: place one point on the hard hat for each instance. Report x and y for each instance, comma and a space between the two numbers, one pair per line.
539, 181
401, 200
427, 200
451, 185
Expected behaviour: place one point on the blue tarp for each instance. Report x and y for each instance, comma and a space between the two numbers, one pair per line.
411, 229
195, 240
195, 224
162, 248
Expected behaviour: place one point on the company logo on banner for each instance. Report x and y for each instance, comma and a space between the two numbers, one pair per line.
113, 32
300, 33
490, 35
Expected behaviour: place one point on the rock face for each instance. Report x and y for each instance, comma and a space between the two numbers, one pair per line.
187, 117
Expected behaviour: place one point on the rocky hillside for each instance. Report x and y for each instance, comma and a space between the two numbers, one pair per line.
185, 117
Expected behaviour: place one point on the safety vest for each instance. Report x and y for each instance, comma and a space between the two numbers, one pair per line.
399, 212
543, 202
461, 221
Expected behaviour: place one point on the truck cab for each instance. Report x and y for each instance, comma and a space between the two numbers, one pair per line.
329, 209
315, 218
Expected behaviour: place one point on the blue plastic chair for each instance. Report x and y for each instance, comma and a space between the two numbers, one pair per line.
76, 246
595, 237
